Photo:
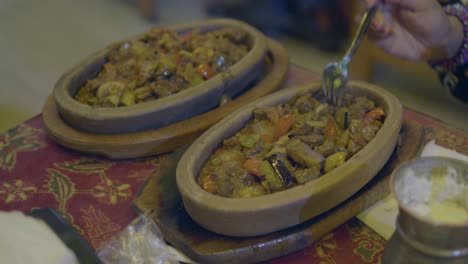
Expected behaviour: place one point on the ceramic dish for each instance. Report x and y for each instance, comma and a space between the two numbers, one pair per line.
161, 112
269, 213
168, 138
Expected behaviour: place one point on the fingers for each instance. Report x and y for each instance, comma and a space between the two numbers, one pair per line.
384, 33
380, 31
378, 23
379, 28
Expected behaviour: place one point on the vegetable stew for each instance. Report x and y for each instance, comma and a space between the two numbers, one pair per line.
161, 63
290, 144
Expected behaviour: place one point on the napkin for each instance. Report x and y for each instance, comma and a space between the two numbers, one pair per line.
381, 217
24, 239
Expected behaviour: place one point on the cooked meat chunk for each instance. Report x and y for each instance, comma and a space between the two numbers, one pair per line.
304, 155
306, 103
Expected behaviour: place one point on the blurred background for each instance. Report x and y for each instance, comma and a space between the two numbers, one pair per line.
40, 40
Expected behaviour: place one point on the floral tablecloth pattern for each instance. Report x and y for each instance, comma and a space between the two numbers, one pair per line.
95, 194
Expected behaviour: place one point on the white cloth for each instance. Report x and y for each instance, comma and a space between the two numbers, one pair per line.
24, 239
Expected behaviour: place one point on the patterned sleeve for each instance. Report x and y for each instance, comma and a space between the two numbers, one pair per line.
453, 73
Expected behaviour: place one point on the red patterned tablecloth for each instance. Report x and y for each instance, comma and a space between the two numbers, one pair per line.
95, 194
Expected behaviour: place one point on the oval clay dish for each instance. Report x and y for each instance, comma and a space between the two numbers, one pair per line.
160, 112
168, 138
273, 212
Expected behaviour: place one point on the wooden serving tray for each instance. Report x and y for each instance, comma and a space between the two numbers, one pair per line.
160, 196
169, 138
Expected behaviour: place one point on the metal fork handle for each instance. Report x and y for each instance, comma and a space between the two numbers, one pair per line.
365, 22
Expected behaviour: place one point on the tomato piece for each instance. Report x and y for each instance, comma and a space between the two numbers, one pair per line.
252, 166
283, 125
277, 126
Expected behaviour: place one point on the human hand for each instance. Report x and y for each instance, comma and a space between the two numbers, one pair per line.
417, 30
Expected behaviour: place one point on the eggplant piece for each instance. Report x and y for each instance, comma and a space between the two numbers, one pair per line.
282, 169
342, 116
347, 120
273, 180
304, 155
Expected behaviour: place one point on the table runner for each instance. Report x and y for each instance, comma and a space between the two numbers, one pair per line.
95, 194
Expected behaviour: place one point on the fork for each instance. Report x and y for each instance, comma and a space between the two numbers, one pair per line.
335, 75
